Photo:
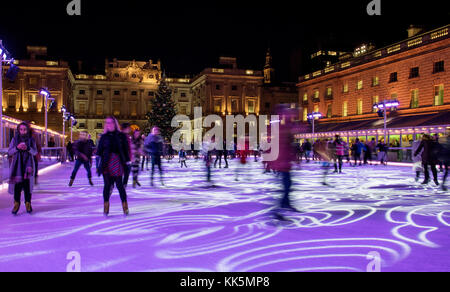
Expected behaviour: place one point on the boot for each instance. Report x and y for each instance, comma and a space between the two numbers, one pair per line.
138, 184
106, 209
90, 182
125, 208
134, 184
71, 182
28, 207
436, 182
16, 208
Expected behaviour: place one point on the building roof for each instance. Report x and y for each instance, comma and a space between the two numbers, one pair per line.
413, 42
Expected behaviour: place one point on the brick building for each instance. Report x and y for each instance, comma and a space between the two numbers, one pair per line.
21, 98
413, 71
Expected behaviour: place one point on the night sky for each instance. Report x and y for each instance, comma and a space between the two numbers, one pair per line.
190, 35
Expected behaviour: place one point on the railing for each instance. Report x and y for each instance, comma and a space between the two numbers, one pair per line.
49, 156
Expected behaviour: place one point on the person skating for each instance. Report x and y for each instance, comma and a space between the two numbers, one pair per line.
136, 150
83, 149
114, 153
286, 156
307, 149
207, 158
153, 145
357, 149
339, 148
126, 129
383, 150
22, 150
182, 156
219, 154
444, 157
417, 159
429, 157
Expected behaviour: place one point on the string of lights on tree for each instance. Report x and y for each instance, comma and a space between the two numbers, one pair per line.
162, 110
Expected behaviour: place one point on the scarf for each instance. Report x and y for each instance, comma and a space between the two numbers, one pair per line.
22, 162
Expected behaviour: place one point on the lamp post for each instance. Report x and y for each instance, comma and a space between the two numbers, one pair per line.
382, 110
65, 117
312, 117
73, 122
3, 58
47, 96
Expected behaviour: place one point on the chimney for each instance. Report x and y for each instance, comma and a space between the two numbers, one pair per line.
413, 30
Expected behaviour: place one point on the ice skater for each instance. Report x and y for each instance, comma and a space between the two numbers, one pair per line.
286, 156
182, 158
154, 147
83, 149
22, 150
429, 157
113, 150
136, 150
417, 159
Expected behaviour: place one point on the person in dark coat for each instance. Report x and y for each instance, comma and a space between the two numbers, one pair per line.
429, 157
153, 145
126, 129
22, 150
114, 152
444, 157
83, 151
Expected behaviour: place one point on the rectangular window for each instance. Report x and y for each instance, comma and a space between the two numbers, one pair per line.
305, 96
151, 93
345, 109
217, 87
33, 80
329, 92
234, 106
438, 67
316, 94
375, 100
116, 108
251, 106
99, 108
359, 85
217, 105
82, 92
133, 109
82, 108
116, 92
414, 72
12, 101
99, 92
414, 98
345, 89
183, 94
329, 111
99, 126
439, 94
359, 109
234, 87
134, 93
375, 81
305, 114
316, 108
393, 77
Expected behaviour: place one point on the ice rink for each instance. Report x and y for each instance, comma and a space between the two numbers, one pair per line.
188, 225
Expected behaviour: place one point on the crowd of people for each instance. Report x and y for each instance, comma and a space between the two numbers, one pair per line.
122, 151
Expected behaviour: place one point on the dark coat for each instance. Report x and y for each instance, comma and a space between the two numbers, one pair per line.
430, 151
154, 145
113, 142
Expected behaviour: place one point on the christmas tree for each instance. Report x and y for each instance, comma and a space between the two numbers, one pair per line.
163, 110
